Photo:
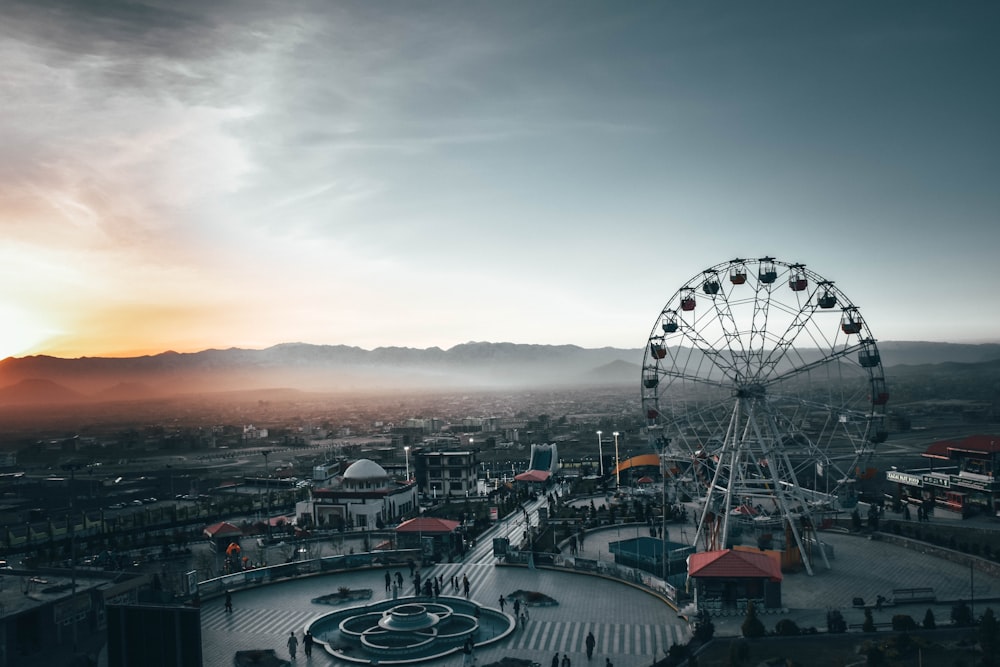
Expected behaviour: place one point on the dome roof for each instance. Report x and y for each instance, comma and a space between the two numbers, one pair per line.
364, 469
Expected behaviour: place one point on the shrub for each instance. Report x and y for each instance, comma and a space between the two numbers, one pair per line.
989, 637
704, 629
869, 624
903, 622
929, 623
752, 627
961, 615
786, 627
835, 622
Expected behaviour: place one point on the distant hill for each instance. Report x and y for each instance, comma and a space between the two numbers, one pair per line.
305, 367
38, 392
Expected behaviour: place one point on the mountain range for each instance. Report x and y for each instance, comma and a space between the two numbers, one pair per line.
338, 368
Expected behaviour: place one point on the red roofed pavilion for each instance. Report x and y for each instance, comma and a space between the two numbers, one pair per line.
427, 524
727, 580
436, 538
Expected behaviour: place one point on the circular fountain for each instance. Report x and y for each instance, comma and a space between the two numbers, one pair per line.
408, 631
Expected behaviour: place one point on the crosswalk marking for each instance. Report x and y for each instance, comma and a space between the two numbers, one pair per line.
625, 639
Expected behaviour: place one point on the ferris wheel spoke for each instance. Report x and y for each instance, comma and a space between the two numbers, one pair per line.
807, 367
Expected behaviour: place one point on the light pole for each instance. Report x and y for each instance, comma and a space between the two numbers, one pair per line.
406, 454
618, 474
600, 453
267, 492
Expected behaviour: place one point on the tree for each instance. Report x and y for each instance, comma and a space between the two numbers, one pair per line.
752, 626
903, 622
835, 622
869, 624
929, 623
989, 638
961, 615
704, 629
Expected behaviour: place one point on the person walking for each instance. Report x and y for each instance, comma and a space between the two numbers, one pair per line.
517, 607
555, 660
465, 585
590, 642
388, 581
502, 603
229, 602
293, 644
607, 662
565, 660
307, 643
467, 659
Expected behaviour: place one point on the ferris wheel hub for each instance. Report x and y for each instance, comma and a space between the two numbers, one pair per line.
754, 390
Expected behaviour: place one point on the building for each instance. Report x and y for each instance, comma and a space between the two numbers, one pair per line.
967, 480
364, 496
436, 538
726, 581
442, 474
544, 463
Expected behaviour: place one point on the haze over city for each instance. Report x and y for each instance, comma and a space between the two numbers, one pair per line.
189, 175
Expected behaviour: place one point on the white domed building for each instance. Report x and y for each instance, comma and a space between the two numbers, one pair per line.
361, 497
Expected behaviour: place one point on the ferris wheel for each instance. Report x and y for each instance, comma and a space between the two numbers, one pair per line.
764, 395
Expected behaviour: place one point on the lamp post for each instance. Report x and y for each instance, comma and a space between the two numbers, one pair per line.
600, 453
267, 492
618, 474
406, 454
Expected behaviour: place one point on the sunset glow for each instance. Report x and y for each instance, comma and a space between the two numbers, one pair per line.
191, 175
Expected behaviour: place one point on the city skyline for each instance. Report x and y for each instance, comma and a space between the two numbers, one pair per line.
184, 176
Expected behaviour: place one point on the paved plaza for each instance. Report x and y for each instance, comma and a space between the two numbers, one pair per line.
631, 625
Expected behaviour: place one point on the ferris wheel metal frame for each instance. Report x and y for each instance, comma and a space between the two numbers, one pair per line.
764, 395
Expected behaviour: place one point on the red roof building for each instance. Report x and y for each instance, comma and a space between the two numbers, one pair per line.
727, 580
222, 534
429, 525
967, 484
436, 538
536, 476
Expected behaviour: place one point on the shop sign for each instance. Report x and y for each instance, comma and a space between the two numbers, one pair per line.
936, 480
902, 477
980, 484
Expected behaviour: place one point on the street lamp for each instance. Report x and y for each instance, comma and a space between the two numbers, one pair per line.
406, 454
267, 491
618, 474
600, 453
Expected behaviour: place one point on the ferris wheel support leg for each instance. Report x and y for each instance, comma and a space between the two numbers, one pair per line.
734, 459
781, 497
805, 511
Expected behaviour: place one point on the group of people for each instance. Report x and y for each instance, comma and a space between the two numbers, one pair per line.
520, 615
591, 643
293, 644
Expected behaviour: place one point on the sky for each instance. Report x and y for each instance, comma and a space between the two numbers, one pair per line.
182, 175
